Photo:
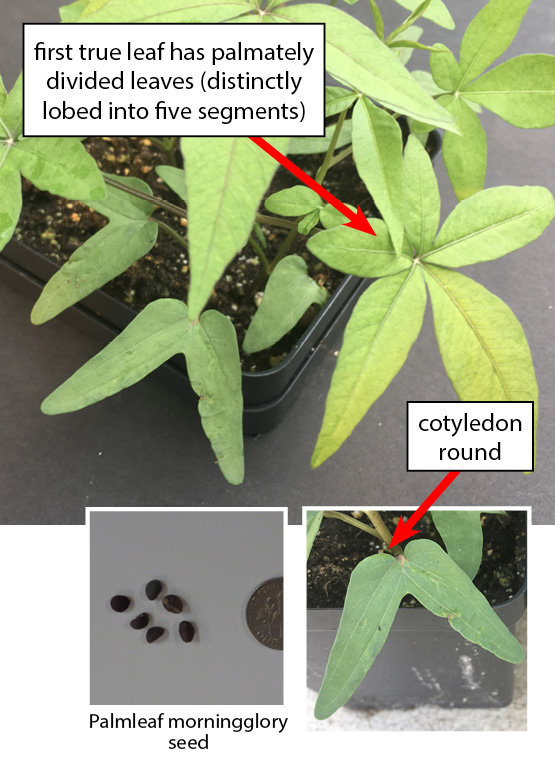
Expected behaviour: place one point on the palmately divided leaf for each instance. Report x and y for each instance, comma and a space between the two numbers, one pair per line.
338, 99
491, 224
488, 35
226, 178
378, 154
313, 523
351, 251
153, 337
481, 342
445, 590
521, 91
376, 588
437, 12
128, 236
379, 335
288, 294
60, 165
163, 11
294, 201
461, 531
356, 57
420, 196
465, 154
214, 370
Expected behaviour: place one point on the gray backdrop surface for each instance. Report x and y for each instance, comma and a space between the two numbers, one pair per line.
214, 561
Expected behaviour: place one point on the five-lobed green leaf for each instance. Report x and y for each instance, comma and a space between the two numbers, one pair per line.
128, 236
289, 293
379, 335
378, 154
461, 531
226, 178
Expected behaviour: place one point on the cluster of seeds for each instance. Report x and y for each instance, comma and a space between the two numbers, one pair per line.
172, 603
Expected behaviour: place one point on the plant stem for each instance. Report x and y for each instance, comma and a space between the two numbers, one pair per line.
352, 521
340, 156
382, 529
171, 232
284, 249
279, 222
159, 202
261, 254
321, 173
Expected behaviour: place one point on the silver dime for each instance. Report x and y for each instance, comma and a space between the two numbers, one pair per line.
265, 613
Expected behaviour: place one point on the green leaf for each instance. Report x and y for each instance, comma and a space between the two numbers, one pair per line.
413, 44
302, 145
426, 81
12, 110
378, 20
226, 178
481, 342
420, 196
338, 99
128, 236
10, 200
444, 68
72, 12
462, 535
351, 251
376, 588
292, 202
214, 370
60, 165
308, 222
465, 155
313, 523
378, 154
378, 337
488, 35
162, 11
521, 91
174, 179
288, 294
445, 590
420, 9
356, 57
404, 52
491, 224
330, 217
4, 94
436, 12
153, 337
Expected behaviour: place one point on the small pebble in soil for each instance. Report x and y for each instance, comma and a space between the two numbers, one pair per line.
186, 631
154, 633
140, 622
173, 604
120, 603
153, 589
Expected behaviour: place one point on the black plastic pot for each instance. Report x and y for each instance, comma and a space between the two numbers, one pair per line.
423, 662
267, 394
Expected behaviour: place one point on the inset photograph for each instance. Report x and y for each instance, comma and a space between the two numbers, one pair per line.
186, 607
416, 631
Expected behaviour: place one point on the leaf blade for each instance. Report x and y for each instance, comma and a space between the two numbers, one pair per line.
420, 196
465, 154
463, 537
313, 523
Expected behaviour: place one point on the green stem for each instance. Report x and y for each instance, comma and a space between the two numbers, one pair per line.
284, 249
171, 232
279, 222
261, 254
159, 202
352, 521
340, 156
382, 530
321, 173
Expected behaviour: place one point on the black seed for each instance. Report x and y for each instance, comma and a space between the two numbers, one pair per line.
173, 604
153, 589
154, 633
139, 622
186, 631
120, 603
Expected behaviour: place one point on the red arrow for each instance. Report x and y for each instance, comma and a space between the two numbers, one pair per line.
404, 529
357, 219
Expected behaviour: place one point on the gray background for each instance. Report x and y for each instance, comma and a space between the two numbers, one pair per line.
214, 561
145, 447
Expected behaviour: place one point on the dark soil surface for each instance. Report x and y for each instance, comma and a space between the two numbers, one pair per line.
339, 547
56, 227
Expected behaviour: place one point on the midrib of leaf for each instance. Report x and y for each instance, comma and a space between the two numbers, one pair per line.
472, 327
470, 94
497, 224
478, 52
5, 156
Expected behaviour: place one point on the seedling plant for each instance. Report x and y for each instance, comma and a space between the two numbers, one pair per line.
440, 579
224, 181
